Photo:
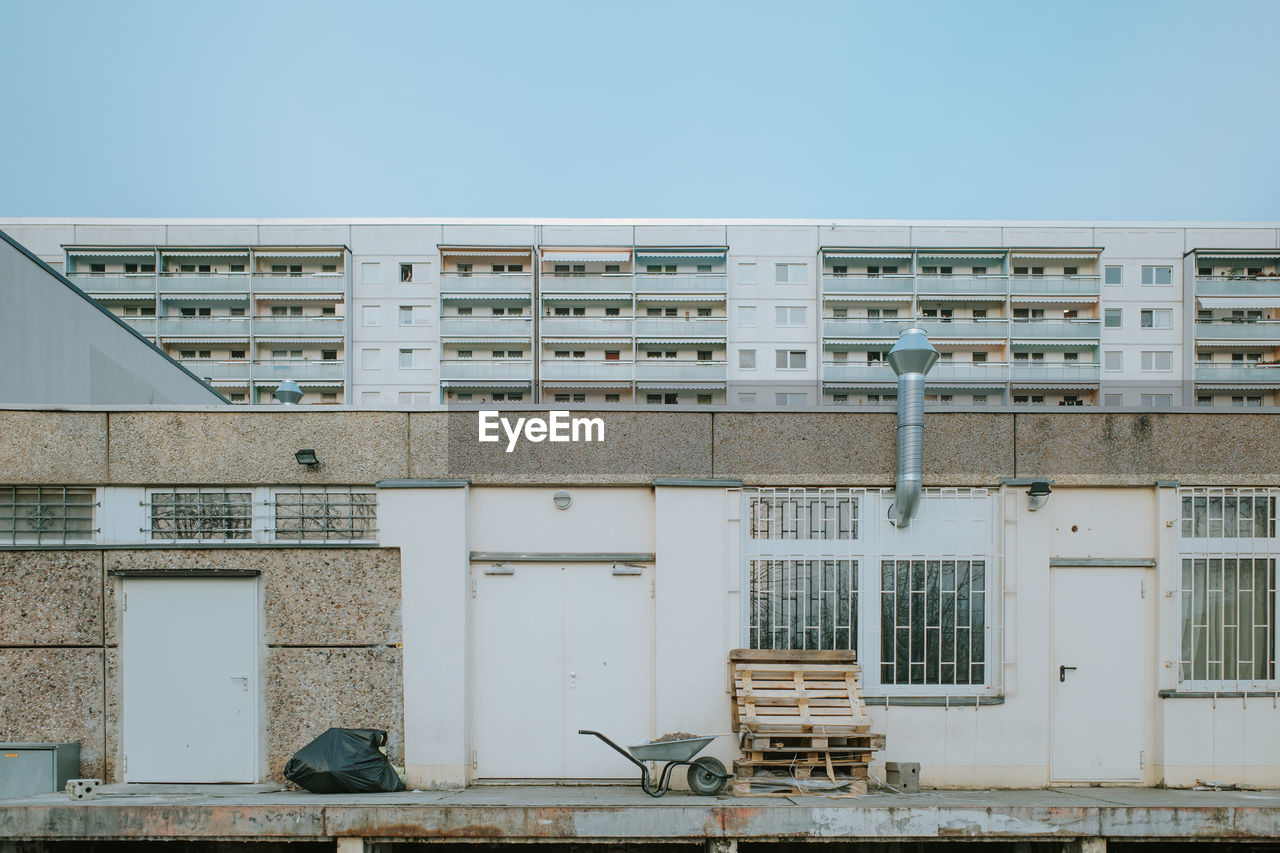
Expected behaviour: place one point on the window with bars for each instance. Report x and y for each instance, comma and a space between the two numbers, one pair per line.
326, 514
1228, 514
803, 514
804, 604
932, 621
201, 514
45, 515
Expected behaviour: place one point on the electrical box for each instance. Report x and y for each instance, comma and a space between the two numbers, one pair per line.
37, 768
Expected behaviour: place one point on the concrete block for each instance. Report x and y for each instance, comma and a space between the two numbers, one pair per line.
54, 696
53, 448
903, 775
51, 598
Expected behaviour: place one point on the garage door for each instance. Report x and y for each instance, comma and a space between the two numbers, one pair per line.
560, 648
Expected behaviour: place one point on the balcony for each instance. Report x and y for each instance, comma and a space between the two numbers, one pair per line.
863, 327
673, 370
465, 282
1055, 330
1238, 285
237, 370
319, 327
229, 327
683, 283
316, 282
591, 370
1055, 285
856, 371
299, 369
980, 285
944, 372
174, 282
891, 284
487, 369
585, 327
509, 327
114, 282
1029, 371
671, 327
1261, 331
587, 282
939, 328
1239, 372
141, 325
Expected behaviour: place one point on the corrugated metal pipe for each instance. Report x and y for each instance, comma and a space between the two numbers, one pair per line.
910, 358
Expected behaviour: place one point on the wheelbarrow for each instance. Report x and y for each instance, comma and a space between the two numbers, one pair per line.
706, 775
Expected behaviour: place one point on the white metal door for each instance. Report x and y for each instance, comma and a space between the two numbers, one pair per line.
1098, 675
190, 679
560, 648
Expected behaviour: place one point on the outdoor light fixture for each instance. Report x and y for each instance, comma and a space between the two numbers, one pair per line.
308, 458
1038, 494
289, 393
562, 499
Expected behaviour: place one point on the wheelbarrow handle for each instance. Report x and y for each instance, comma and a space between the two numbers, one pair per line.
617, 748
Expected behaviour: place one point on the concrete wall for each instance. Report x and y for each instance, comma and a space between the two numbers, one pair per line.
70, 351
330, 642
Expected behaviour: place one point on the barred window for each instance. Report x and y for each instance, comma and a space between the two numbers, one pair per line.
46, 514
1228, 607
804, 604
932, 621
1228, 514
324, 514
201, 514
803, 514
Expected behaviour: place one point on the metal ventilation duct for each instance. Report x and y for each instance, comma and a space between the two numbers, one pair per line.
910, 358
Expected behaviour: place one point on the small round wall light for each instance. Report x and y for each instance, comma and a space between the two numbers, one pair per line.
562, 499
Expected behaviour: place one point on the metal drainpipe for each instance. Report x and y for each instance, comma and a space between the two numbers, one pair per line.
911, 358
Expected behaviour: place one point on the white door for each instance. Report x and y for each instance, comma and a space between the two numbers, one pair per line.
1098, 677
189, 671
560, 648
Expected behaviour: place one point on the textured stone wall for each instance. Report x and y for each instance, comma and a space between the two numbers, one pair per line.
331, 640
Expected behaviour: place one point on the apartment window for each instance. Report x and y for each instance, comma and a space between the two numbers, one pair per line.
747, 359
612, 312
371, 359
579, 398
932, 621
610, 269
564, 312
1113, 318
46, 514
463, 353
979, 399
237, 312
704, 355
1113, 360
406, 273
653, 399
370, 272
746, 273
746, 398
204, 353
791, 273
325, 269
370, 398
789, 316
406, 359
370, 315
840, 399
561, 398
294, 310
237, 353
200, 514
561, 353
791, 398
1204, 400
1157, 276
579, 312
465, 269
613, 398
1157, 318
1157, 400
327, 513
464, 312
1157, 361
187, 312
186, 353
579, 353
790, 359
1071, 356
1110, 400
147, 311
192, 268
414, 315
747, 316
704, 312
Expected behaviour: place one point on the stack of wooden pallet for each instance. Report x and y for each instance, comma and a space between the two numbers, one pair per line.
801, 722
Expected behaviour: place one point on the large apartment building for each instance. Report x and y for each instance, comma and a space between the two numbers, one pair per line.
667, 312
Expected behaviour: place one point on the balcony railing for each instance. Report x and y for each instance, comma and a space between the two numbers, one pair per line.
943, 372
298, 368
681, 283
1030, 371
713, 327
233, 327
857, 371
576, 327
316, 282
142, 325
977, 284
113, 282
207, 369
586, 282
189, 282
1055, 285
1238, 285
1055, 329
326, 327
465, 368
670, 369
465, 282
867, 283
593, 369
1237, 330
937, 327
511, 327
1248, 373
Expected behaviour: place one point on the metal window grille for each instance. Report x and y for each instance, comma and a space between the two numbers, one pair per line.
46, 514
803, 514
1227, 589
932, 621
804, 604
326, 514
201, 514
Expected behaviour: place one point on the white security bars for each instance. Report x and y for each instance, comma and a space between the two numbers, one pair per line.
1227, 589
201, 514
261, 514
46, 515
326, 514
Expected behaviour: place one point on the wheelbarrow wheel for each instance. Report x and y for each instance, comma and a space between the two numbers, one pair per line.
707, 776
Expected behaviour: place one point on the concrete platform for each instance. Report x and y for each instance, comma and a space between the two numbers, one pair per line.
618, 813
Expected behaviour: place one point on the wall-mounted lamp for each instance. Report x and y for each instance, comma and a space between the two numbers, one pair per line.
289, 393
1038, 494
562, 499
308, 458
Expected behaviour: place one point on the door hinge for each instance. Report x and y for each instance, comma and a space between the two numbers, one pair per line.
1144, 588
473, 587
124, 596
474, 760
652, 587
126, 764
1142, 759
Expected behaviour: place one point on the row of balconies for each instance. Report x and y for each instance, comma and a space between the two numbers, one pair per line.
327, 282
978, 285
454, 282
995, 329
237, 327
645, 370
1229, 329
584, 326
272, 369
1238, 285
967, 371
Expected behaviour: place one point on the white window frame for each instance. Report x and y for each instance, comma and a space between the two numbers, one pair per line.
748, 316
794, 273
745, 355
371, 315
747, 273
782, 356
784, 316
1152, 272
371, 272
1148, 357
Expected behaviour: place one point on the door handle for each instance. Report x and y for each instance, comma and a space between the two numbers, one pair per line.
244, 682
573, 680
1062, 672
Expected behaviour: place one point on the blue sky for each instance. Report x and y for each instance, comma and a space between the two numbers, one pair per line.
972, 110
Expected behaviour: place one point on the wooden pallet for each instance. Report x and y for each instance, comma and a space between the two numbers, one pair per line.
797, 696
806, 769
793, 742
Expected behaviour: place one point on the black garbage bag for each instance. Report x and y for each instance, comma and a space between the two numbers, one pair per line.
344, 761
